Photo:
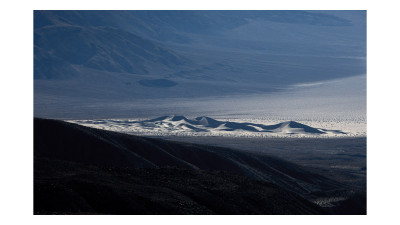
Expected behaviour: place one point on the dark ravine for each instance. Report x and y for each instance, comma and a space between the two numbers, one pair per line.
81, 170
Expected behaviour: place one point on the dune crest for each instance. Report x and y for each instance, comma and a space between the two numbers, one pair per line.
203, 125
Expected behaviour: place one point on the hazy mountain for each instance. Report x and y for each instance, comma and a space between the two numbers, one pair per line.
109, 41
60, 48
96, 55
173, 24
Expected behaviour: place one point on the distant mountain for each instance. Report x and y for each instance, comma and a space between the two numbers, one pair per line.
119, 56
61, 49
182, 125
86, 170
170, 25
135, 41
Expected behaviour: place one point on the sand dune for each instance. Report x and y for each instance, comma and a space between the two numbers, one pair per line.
180, 125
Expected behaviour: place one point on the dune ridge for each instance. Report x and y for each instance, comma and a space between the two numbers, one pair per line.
203, 125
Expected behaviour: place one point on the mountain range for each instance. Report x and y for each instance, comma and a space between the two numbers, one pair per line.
59, 49
161, 54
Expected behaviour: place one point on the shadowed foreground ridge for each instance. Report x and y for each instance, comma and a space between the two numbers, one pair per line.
112, 190
81, 170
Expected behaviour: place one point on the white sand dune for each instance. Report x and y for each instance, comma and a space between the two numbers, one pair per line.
206, 126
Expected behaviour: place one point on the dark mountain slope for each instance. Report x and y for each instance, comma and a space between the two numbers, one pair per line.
64, 141
81, 170
73, 188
